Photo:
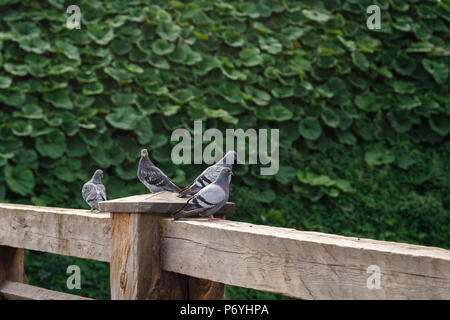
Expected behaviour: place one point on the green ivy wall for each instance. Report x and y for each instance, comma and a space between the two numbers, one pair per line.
363, 114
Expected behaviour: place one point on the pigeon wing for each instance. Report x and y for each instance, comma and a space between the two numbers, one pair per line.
102, 189
89, 193
207, 177
206, 199
154, 177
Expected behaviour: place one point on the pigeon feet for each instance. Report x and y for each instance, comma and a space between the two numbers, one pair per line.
211, 218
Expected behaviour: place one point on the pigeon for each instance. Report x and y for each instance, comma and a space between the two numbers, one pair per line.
208, 200
94, 191
152, 177
209, 175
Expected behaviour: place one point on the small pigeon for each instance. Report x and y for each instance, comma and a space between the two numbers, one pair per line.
208, 200
94, 191
209, 175
152, 177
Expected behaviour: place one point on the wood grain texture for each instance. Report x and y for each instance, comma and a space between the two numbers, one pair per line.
202, 289
306, 265
71, 232
135, 268
161, 202
11, 290
11, 264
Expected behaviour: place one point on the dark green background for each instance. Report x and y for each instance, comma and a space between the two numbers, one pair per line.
363, 115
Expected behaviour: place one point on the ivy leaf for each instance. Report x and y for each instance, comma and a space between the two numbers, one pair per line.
316, 16
19, 179
5, 82
123, 118
281, 113
161, 47
52, 145
439, 71
378, 156
440, 125
310, 128
251, 57
58, 98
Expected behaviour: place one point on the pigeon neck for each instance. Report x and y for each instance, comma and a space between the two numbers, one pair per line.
148, 161
96, 180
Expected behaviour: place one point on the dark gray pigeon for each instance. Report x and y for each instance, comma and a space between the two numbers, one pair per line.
209, 175
208, 200
152, 177
94, 191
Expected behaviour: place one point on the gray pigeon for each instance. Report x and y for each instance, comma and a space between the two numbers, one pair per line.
208, 200
94, 191
209, 175
152, 177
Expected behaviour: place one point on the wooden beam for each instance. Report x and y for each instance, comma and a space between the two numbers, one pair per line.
11, 290
307, 265
71, 232
135, 268
161, 202
11, 264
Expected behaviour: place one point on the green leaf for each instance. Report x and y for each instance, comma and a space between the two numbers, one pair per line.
330, 117
378, 156
286, 174
360, 60
251, 57
52, 145
439, 71
281, 113
270, 45
310, 128
119, 75
182, 96
123, 99
67, 49
120, 47
161, 47
260, 97
92, 88
58, 98
123, 118
316, 16
19, 179
168, 30
440, 125
5, 82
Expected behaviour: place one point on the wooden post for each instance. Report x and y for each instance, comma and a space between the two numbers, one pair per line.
135, 267
11, 264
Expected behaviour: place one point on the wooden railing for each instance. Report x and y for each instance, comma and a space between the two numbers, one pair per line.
153, 257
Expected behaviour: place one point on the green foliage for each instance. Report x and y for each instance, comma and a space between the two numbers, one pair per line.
363, 115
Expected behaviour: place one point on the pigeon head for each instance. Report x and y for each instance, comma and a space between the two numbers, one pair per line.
144, 155
98, 175
230, 158
224, 177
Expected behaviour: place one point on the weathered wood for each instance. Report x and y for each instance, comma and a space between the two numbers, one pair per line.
202, 289
11, 290
135, 269
307, 265
161, 202
71, 232
11, 264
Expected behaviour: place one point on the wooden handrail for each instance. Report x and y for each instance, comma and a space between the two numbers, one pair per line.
307, 265
154, 257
